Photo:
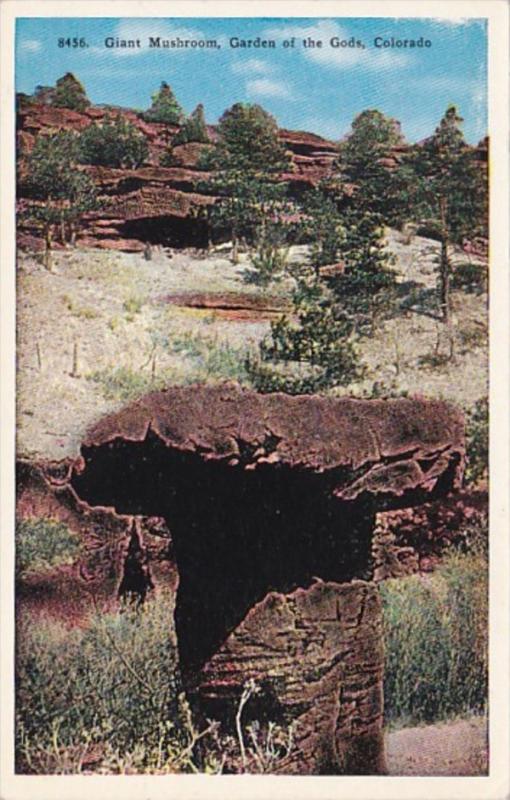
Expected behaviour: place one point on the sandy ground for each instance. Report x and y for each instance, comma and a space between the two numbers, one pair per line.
452, 748
101, 311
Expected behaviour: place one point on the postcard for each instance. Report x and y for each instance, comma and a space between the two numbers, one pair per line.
255, 400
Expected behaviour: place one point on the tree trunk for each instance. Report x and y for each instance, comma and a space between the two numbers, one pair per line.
63, 231
235, 249
444, 266
47, 259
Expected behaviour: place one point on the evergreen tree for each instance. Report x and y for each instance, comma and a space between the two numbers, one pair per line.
365, 288
378, 187
317, 340
165, 107
69, 93
194, 128
113, 143
322, 225
64, 192
451, 192
246, 159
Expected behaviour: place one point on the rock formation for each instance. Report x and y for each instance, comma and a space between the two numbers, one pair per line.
271, 503
161, 204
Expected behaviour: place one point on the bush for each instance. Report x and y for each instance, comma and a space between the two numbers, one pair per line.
270, 256
217, 360
123, 383
115, 143
436, 640
317, 342
42, 544
113, 692
69, 93
477, 441
470, 277
108, 699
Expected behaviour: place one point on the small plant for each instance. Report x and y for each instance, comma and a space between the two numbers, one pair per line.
77, 311
132, 305
42, 544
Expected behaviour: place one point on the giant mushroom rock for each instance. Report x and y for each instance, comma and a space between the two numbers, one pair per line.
271, 503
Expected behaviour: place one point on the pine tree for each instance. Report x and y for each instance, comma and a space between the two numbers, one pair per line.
246, 160
365, 287
69, 93
113, 143
317, 340
451, 192
322, 225
378, 187
165, 107
64, 192
194, 128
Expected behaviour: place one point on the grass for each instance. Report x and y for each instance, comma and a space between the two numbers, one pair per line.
124, 384
436, 639
203, 358
109, 692
132, 305
108, 699
42, 544
81, 312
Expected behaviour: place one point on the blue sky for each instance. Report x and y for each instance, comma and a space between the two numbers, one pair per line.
319, 90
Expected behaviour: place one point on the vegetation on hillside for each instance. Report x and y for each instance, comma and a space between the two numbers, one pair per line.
115, 142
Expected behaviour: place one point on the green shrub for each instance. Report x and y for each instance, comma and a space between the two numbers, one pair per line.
113, 143
133, 305
111, 690
436, 641
212, 359
164, 108
124, 384
470, 277
42, 544
269, 258
477, 441
194, 128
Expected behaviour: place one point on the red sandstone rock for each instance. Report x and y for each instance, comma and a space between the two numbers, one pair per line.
392, 449
124, 245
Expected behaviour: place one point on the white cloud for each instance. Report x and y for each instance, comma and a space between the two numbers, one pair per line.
30, 45
264, 87
456, 21
368, 58
252, 66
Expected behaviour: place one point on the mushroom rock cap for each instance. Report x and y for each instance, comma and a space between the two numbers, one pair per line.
399, 451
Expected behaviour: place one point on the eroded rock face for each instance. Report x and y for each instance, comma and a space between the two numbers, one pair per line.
271, 502
154, 203
316, 655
